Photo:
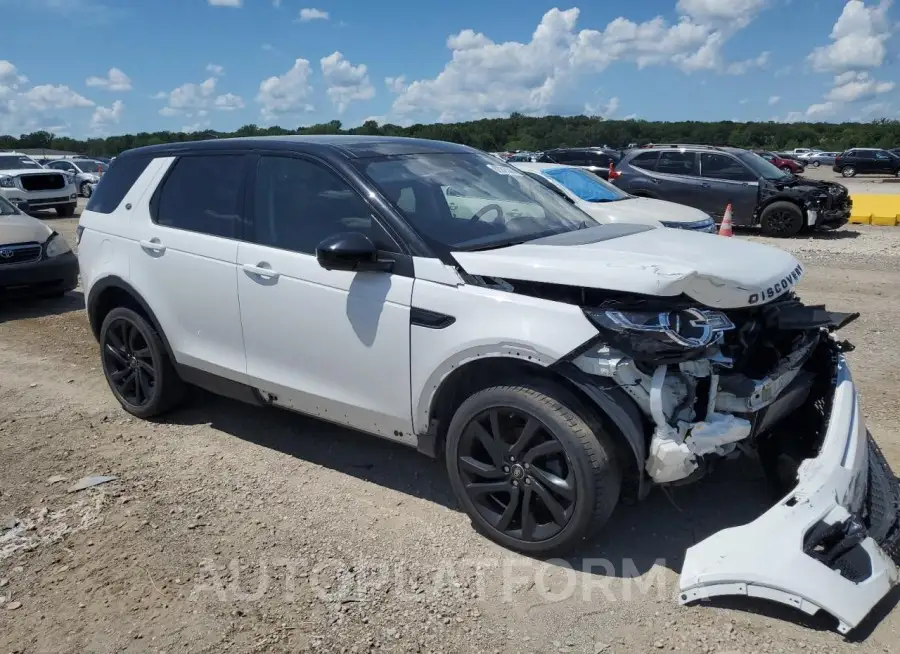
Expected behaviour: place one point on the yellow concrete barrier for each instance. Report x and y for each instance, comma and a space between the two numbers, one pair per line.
881, 210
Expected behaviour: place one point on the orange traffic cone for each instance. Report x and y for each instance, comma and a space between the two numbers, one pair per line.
725, 227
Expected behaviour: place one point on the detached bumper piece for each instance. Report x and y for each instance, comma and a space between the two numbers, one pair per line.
831, 544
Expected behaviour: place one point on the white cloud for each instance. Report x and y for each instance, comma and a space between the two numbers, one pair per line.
287, 93
858, 38
47, 96
309, 14
104, 117
488, 78
784, 71
226, 3
191, 97
742, 67
115, 80
396, 84
199, 126
775, 99
345, 83
215, 69
25, 109
852, 86
228, 102
9, 74
606, 110
825, 108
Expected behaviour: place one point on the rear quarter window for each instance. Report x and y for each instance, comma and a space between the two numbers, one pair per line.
115, 183
645, 160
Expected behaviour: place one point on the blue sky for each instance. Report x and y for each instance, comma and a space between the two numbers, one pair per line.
101, 67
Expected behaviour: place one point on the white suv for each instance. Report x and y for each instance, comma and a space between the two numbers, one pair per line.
558, 366
31, 187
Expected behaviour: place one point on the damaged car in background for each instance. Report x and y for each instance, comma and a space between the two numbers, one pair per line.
558, 366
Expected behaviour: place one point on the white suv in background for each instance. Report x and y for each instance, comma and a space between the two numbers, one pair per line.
31, 187
556, 365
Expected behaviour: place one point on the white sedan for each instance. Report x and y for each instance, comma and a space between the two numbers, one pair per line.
608, 204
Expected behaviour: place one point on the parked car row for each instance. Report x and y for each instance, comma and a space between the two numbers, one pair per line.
23, 186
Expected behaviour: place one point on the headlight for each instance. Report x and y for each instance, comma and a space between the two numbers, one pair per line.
55, 246
7, 182
661, 334
707, 225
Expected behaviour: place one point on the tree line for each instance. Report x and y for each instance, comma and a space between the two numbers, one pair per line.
519, 132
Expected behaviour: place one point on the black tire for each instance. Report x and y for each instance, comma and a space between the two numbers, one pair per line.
66, 210
782, 219
84, 190
816, 164
120, 349
578, 464
848, 171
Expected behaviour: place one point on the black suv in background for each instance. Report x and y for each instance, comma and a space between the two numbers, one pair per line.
710, 178
867, 161
596, 160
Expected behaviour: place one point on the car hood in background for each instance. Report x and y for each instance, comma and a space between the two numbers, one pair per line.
19, 228
714, 271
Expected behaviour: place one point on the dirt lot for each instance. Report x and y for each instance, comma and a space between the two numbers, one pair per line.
237, 529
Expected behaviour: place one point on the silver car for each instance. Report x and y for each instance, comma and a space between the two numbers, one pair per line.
816, 159
84, 171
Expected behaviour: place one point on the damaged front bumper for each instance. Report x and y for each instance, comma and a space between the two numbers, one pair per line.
829, 545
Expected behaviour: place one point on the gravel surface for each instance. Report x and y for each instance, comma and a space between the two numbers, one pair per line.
236, 529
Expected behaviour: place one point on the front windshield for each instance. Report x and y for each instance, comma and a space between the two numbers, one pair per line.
87, 166
762, 167
585, 184
7, 208
14, 162
470, 200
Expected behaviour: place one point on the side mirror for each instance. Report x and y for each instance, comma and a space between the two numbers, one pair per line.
352, 251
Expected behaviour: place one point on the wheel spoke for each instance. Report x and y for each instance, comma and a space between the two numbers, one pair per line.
117, 353
139, 395
115, 340
528, 431
562, 487
119, 375
133, 336
510, 511
480, 469
496, 432
129, 381
147, 368
144, 383
478, 488
544, 449
142, 353
556, 510
491, 444
528, 523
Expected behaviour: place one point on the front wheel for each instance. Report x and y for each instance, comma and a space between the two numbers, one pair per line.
781, 219
787, 169
816, 164
848, 171
529, 471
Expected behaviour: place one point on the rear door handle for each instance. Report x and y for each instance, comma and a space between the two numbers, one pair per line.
153, 245
261, 270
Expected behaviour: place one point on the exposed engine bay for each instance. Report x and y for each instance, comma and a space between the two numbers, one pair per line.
736, 377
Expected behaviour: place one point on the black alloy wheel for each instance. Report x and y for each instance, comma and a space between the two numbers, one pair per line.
782, 219
533, 474
516, 473
128, 361
136, 365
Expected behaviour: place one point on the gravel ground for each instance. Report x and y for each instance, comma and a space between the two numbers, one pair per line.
231, 528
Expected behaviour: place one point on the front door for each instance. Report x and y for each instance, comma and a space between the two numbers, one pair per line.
328, 343
725, 181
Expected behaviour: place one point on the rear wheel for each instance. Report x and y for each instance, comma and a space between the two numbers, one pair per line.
136, 366
781, 219
530, 472
848, 171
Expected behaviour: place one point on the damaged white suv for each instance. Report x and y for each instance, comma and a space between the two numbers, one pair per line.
558, 366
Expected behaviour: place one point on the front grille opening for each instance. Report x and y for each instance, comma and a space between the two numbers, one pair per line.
20, 253
43, 182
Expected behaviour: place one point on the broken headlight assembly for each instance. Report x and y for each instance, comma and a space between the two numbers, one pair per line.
661, 336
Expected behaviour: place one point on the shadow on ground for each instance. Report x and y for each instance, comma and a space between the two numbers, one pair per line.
818, 235
22, 309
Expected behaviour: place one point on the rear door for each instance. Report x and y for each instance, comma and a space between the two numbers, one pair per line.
865, 162
726, 180
184, 259
677, 178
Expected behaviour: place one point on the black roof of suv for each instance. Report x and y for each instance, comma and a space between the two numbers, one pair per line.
711, 178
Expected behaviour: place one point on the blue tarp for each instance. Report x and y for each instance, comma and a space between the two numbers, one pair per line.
583, 184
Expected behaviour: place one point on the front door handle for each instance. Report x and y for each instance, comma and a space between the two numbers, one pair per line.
261, 270
153, 245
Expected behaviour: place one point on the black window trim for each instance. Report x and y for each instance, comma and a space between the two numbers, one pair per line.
632, 163
142, 158
242, 199
693, 153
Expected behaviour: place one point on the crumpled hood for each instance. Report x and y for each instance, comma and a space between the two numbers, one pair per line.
713, 270
19, 228
800, 184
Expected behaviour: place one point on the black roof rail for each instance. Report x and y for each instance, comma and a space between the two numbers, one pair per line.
682, 145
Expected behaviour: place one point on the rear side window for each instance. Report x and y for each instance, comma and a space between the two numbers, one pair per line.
203, 194
720, 166
571, 158
677, 162
645, 160
115, 183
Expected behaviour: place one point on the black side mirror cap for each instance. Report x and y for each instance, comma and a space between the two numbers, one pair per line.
351, 251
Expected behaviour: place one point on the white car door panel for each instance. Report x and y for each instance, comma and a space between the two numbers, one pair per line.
190, 280
328, 343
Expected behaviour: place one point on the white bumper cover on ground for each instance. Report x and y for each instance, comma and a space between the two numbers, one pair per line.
766, 558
